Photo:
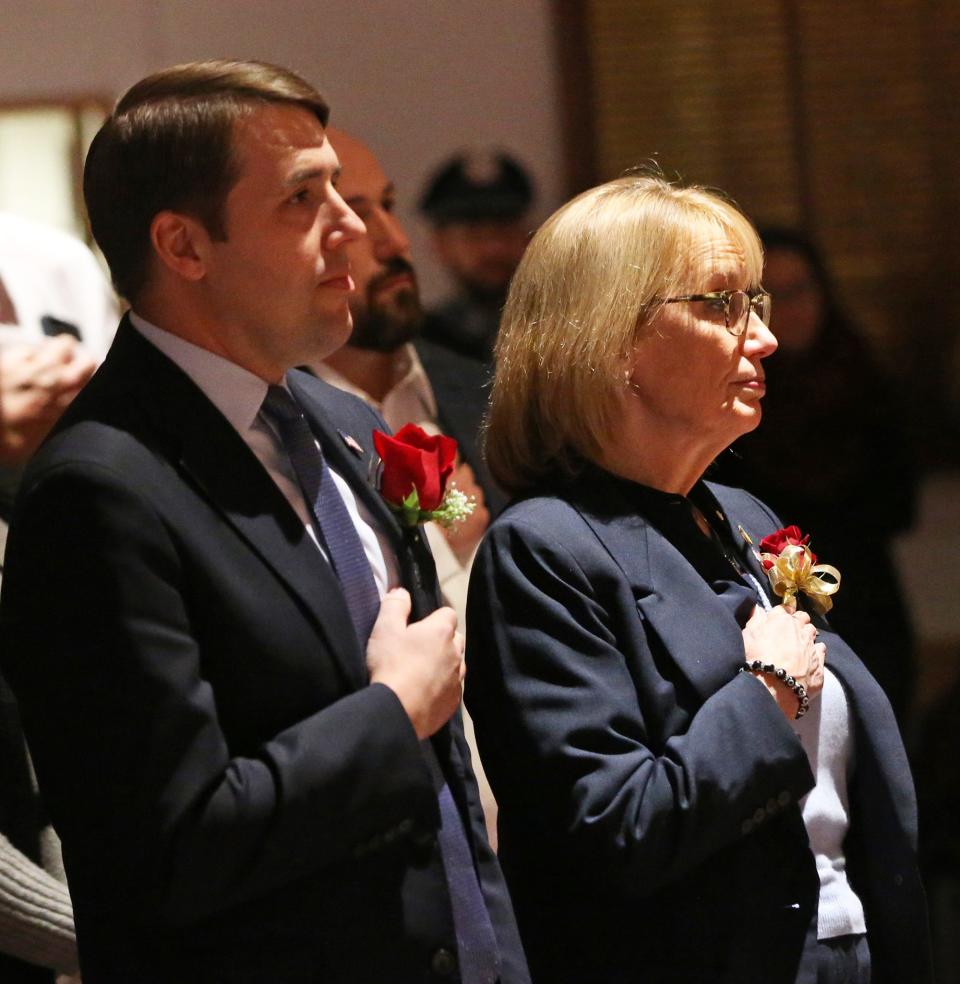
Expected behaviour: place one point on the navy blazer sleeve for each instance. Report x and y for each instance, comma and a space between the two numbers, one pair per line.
579, 717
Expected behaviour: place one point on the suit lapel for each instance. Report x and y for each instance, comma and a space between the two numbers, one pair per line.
359, 471
218, 463
277, 534
696, 628
338, 445
756, 525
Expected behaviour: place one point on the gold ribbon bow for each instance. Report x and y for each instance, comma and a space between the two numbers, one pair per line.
793, 570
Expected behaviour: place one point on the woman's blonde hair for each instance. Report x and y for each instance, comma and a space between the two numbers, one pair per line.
589, 282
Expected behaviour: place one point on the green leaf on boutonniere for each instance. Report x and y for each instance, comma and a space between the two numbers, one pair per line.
409, 511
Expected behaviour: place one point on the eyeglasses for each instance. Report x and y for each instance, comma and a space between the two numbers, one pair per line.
735, 305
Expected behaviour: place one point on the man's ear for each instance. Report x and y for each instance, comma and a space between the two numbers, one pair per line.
181, 243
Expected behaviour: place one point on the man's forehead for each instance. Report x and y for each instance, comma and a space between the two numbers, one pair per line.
281, 133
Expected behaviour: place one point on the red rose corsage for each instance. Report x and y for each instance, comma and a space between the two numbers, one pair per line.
414, 477
791, 566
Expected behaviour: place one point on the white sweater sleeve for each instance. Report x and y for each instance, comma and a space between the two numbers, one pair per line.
36, 915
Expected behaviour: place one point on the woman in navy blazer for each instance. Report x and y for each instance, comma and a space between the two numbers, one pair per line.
665, 817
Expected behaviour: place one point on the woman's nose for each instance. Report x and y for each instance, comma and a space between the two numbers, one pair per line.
759, 340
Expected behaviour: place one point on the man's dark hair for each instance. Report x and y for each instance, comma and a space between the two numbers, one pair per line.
168, 144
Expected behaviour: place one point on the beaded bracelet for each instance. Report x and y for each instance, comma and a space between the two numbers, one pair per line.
758, 666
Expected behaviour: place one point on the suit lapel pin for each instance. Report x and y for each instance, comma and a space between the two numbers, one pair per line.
749, 541
351, 443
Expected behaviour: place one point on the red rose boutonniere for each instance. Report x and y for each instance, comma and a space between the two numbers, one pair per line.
415, 469
791, 566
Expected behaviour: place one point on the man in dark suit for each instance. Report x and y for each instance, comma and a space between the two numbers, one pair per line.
254, 763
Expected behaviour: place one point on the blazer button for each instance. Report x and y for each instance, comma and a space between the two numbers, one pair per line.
747, 826
898, 880
443, 963
759, 815
773, 807
784, 798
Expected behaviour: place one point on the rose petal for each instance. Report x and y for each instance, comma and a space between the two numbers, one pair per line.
787, 536
413, 459
404, 468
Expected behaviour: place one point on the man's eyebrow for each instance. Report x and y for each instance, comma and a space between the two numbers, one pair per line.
310, 173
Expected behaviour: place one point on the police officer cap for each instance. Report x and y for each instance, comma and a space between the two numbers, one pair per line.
477, 186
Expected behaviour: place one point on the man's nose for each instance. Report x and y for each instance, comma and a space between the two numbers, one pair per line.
347, 225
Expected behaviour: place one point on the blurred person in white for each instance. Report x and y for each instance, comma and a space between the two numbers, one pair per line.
57, 317
408, 379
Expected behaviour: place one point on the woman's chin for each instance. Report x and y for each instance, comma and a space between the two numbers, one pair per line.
749, 413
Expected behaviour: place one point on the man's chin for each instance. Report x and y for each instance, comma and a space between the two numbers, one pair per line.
331, 333
384, 332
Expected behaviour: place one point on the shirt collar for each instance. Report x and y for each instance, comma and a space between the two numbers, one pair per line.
237, 393
409, 375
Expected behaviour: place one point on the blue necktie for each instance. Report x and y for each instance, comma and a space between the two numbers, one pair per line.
331, 518
476, 943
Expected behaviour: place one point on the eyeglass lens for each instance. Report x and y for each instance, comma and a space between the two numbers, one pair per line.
739, 304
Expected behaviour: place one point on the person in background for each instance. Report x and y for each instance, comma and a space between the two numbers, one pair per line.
855, 482
478, 206
52, 285
57, 317
37, 938
408, 379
